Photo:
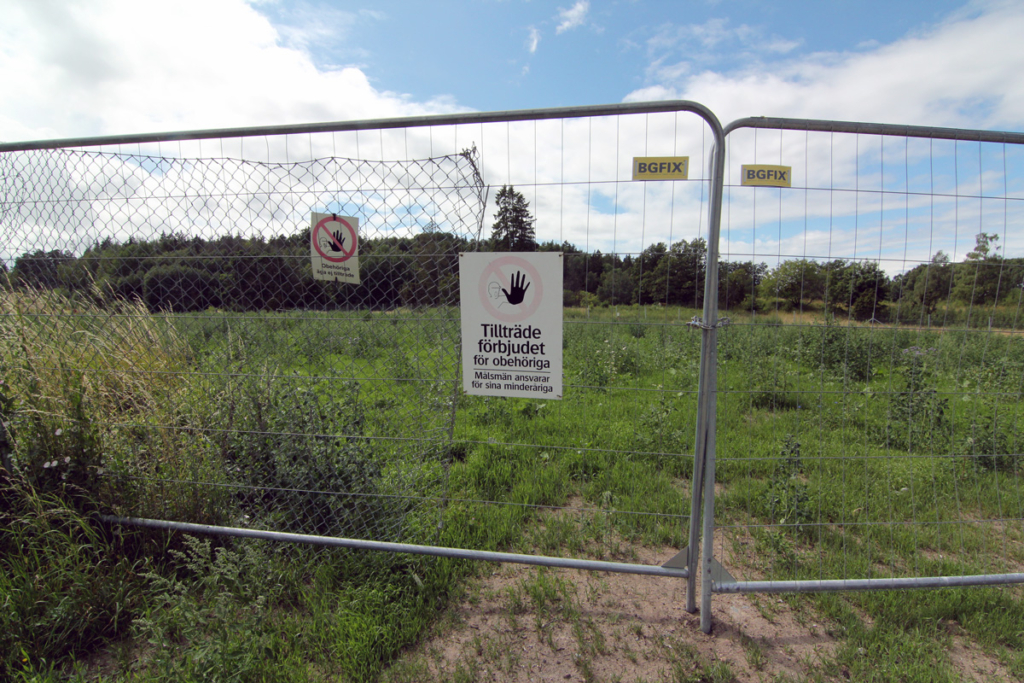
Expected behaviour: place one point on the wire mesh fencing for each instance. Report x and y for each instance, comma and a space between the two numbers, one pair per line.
870, 383
170, 351
173, 356
172, 297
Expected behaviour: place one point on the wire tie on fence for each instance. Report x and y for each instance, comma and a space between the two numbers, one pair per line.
697, 321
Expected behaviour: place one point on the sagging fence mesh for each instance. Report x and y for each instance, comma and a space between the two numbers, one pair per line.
174, 356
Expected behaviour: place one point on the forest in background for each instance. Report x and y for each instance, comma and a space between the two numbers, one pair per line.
181, 273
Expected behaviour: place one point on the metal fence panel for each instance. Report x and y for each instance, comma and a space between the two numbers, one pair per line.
167, 339
869, 389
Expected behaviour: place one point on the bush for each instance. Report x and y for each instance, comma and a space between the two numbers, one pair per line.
750, 303
842, 350
918, 416
300, 451
180, 288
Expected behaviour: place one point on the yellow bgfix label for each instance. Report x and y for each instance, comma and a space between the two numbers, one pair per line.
768, 176
661, 168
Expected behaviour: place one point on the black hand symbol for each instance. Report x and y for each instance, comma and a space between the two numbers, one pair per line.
339, 245
518, 290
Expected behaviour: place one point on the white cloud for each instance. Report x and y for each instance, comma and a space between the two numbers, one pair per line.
715, 33
533, 40
573, 17
963, 72
303, 26
781, 45
121, 66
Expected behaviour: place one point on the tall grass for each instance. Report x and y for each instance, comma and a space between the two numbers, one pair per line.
72, 367
125, 356
66, 585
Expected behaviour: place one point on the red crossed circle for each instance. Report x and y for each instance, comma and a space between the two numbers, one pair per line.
322, 225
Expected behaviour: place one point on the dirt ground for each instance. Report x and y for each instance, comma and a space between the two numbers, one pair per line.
519, 623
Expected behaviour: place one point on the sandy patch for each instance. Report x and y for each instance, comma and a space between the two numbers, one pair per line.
519, 623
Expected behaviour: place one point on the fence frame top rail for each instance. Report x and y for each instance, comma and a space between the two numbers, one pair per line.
720, 580
824, 126
468, 118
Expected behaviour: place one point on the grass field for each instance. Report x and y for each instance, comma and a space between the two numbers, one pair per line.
844, 451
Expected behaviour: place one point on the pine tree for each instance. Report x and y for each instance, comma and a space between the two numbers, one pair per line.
513, 229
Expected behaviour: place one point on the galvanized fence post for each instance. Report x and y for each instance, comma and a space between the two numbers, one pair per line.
704, 463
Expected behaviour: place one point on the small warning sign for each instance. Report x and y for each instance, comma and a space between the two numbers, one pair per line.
511, 310
767, 176
334, 247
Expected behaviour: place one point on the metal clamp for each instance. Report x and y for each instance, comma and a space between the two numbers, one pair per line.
697, 321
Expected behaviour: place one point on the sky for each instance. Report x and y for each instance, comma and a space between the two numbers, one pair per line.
100, 67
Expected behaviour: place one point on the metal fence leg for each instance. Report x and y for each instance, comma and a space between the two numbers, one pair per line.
708, 537
695, 506
709, 379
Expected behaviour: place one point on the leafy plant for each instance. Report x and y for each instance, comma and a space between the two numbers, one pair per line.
844, 351
918, 416
991, 440
301, 455
659, 428
787, 499
217, 613
770, 384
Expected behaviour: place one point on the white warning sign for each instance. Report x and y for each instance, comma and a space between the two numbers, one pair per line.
334, 247
511, 310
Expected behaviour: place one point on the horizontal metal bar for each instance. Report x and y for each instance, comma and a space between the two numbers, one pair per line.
876, 129
467, 118
458, 553
866, 584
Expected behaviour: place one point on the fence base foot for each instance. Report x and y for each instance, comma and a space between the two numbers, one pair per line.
680, 560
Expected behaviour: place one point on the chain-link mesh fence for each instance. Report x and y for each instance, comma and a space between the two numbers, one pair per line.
870, 382
173, 298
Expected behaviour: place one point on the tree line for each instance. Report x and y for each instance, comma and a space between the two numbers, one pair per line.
181, 273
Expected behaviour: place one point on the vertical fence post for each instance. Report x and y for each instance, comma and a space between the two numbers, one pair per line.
704, 443
709, 377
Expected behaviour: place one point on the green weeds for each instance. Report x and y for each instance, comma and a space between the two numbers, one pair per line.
66, 585
850, 451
